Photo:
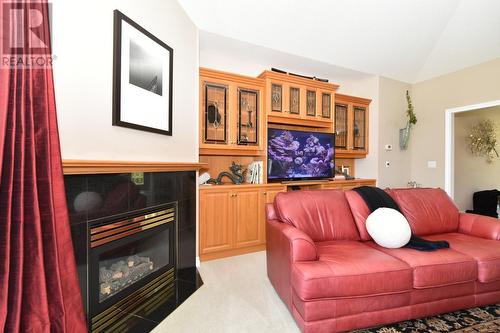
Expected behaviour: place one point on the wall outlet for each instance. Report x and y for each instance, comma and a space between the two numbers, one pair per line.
387, 164
388, 147
432, 164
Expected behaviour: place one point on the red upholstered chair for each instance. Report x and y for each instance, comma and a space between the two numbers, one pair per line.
333, 277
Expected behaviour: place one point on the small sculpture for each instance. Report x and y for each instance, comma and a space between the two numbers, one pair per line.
236, 175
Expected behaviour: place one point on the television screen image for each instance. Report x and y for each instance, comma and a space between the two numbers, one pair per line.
295, 155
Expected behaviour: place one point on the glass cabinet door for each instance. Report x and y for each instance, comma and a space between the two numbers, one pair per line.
248, 117
276, 97
215, 114
359, 134
326, 105
341, 126
294, 100
311, 103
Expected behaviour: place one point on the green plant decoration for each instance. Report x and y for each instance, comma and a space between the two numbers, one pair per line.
482, 140
412, 117
404, 133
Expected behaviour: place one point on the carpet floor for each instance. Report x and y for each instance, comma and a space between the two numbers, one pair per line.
237, 296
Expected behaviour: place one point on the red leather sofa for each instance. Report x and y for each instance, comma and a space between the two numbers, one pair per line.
333, 277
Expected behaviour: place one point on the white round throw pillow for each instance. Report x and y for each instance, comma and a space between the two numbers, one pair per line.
388, 228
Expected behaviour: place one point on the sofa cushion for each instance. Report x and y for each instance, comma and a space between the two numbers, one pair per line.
360, 212
437, 268
349, 269
428, 210
324, 215
485, 252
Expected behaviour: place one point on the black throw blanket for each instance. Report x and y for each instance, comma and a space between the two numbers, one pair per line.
375, 198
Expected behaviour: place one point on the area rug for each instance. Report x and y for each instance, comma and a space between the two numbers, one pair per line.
485, 319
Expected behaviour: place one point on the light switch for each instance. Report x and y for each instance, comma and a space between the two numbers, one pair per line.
432, 164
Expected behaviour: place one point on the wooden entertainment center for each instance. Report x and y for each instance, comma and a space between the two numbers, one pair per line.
235, 113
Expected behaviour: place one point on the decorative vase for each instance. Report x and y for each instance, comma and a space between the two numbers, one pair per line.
404, 136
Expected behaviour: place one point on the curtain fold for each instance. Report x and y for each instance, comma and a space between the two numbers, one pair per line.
39, 290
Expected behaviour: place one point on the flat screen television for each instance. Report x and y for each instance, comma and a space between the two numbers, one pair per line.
299, 155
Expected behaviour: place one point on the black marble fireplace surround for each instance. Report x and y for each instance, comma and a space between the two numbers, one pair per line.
150, 263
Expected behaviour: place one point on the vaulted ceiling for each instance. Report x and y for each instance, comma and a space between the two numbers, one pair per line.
408, 40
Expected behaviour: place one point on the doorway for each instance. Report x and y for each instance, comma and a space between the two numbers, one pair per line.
458, 122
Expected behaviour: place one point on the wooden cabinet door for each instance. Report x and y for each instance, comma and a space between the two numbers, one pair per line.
360, 128
267, 197
216, 230
247, 220
230, 106
351, 126
270, 194
312, 105
326, 105
331, 187
341, 127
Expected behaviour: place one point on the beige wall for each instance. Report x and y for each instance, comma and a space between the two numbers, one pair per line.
431, 98
83, 47
392, 117
473, 173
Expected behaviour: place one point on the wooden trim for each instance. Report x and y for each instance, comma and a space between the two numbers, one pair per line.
79, 167
230, 152
240, 187
338, 182
351, 154
340, 99
208, 73
298, 80
232, 252
299, 122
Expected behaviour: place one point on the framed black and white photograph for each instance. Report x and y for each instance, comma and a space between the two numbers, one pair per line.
142, 78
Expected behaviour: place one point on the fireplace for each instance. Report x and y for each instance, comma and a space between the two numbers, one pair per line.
134, 238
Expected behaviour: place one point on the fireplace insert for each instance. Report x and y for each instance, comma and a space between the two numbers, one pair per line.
126, 253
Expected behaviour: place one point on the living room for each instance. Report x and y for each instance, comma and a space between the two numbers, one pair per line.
230, 166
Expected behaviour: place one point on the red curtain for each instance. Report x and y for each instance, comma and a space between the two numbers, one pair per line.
39, 290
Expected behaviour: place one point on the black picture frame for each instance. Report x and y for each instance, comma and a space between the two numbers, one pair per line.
119, 19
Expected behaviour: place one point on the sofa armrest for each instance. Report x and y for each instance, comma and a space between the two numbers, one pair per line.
301, 247
479, 226
285, 245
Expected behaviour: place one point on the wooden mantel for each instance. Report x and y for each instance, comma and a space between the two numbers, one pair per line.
79, 167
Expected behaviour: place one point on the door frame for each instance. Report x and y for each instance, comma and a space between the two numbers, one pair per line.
449, 160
